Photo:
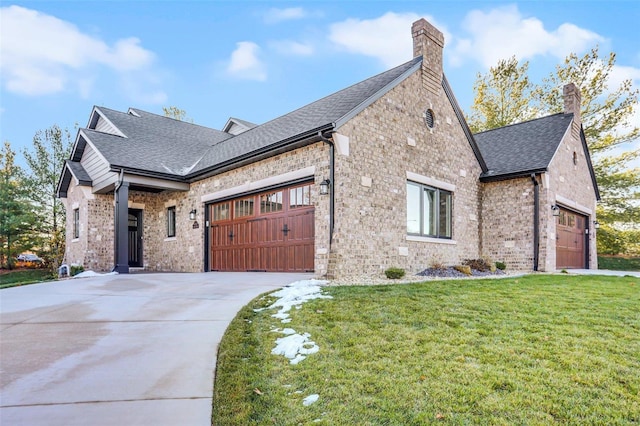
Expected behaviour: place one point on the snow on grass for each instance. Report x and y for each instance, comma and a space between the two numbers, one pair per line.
296, 346
310, 399
294, 295
88, 274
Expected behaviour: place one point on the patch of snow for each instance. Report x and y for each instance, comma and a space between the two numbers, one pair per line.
88, 274
294, 295
295, 346
310, 399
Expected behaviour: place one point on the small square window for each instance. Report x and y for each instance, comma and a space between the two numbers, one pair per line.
171, 221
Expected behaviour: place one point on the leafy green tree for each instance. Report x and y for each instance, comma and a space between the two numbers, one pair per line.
503, 96
177, 113
45, 160
17, 217
608, 122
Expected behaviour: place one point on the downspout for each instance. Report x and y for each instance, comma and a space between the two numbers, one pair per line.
536, 221
331, 144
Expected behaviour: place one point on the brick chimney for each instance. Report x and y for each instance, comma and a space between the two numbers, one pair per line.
428, 42
572, 98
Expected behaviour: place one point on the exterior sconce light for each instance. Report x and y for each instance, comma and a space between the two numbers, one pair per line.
192, 214
324, 187
556, 210
596, 225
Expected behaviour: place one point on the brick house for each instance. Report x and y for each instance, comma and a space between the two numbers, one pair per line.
383, 173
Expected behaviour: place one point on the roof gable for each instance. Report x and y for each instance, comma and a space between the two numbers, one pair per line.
235, 126
523, 148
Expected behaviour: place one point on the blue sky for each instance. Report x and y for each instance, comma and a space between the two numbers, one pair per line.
258, 60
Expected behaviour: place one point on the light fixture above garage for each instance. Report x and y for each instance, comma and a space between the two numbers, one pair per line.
192, 214
556, 210
596, 224
324, 187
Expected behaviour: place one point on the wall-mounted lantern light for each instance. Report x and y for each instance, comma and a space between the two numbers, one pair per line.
324, 187
192, 214
596, 225
556, 210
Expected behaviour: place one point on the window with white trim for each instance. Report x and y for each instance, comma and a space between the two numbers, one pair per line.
429, 211
171, 221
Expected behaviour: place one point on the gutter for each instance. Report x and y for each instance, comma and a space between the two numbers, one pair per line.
536, 221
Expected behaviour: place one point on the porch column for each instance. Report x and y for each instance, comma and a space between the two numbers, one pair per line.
121, 240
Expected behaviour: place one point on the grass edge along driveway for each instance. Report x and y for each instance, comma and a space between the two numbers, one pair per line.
539, 349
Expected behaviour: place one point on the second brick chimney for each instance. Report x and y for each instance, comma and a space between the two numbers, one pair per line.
572, 98
428, 42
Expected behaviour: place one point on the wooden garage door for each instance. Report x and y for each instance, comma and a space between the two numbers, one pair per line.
272, 231
570, 240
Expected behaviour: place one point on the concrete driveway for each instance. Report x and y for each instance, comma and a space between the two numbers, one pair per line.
119, 350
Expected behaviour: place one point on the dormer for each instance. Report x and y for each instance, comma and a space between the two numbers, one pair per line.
99, 122
235, 126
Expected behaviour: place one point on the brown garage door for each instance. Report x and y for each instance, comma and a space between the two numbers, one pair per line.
272, 231
570, 240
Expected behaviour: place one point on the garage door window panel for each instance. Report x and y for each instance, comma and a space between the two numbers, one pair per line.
221, 212
271, 202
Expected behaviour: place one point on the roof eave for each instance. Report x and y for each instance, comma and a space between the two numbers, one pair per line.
293, 142
512, 175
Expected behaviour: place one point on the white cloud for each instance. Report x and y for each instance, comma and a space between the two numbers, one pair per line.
386, 38
275, 15
503, 32
42, 54
245, 64
291, 48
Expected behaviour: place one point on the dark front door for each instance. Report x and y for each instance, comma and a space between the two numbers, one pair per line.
135, 238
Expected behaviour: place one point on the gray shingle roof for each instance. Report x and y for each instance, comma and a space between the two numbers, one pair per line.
161, 145
523, 147
154, 143
79, 173
316, 115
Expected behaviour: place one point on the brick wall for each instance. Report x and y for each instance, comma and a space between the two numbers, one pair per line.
386, 140
507, 223
568, 185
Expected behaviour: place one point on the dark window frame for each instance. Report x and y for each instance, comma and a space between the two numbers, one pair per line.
436, 212
171, 222
76, 223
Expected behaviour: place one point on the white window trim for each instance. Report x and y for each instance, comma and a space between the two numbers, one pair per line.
431, 240
171, 239
439, 184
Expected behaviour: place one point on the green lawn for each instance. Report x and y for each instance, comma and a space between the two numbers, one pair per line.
619, 263
24, 276
535, 350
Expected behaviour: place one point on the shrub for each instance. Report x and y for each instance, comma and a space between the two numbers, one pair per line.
501, 265
465, 269
394, 273
76, 269
438, 264
477, 264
